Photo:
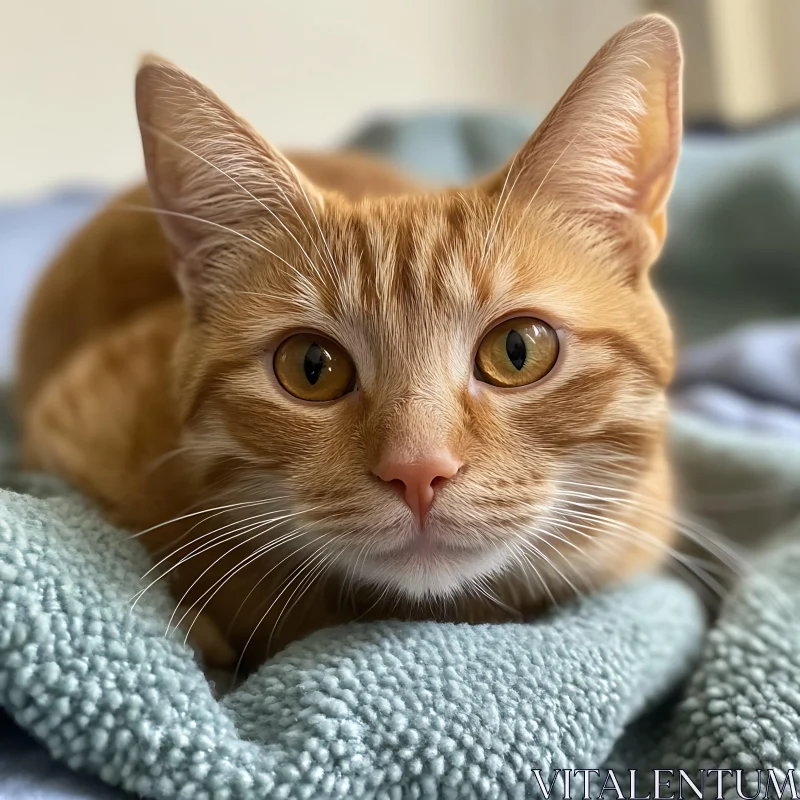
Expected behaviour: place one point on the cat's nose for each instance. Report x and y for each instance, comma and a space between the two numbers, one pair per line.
419, 479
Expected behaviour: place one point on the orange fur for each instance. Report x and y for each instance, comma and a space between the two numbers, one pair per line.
145, 371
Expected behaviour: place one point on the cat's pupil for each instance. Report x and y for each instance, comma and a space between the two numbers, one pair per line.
314, 362
515, 349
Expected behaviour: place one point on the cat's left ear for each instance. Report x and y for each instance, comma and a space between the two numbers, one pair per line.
217, 182
607, 152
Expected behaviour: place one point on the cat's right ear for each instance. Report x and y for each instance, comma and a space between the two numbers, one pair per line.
216, 181
607, 152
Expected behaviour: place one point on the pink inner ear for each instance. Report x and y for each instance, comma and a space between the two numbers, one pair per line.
659, 138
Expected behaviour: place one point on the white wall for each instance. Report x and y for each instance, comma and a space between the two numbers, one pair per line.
305, 72
742, 58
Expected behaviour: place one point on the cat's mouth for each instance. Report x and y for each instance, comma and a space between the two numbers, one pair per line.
427, 549
429, 566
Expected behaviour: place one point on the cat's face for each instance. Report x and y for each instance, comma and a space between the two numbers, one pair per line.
439, 387
408, 293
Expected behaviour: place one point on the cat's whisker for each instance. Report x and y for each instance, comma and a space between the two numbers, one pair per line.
224, 538
159, 461
523, 216
269, 572
693, 569
369, 543
524, 559
700, 535
202, 511
286, 539
546, 536
498, 213
265, 548
528, 545
125, 206
564, 540
725, 552
479, 582
303, 588
347, 581
209, 594
316, 221
287, 584
169, 548
621, 535
380, 598
218, 541
197, 539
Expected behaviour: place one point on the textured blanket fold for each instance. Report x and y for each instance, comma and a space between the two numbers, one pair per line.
392, 709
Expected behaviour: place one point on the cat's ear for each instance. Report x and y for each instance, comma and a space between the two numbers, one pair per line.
214, 177
607, 152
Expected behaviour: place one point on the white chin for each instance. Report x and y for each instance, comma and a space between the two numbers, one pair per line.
431, 575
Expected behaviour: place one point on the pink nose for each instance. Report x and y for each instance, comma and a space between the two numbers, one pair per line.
419, 479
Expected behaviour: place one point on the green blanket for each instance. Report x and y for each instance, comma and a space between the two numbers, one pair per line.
626, 679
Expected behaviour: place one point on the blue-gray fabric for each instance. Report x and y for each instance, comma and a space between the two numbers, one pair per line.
627, 678
749, 378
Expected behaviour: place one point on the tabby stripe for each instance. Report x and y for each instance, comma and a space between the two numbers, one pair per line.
625, 349
627, 439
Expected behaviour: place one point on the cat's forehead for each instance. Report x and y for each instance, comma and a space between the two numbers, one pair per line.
416, 253
409, 291
458, 258
413, 272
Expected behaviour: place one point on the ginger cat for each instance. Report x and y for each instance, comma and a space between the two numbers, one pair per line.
322, 392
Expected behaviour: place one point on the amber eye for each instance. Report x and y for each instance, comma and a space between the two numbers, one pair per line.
517, 352
313, 367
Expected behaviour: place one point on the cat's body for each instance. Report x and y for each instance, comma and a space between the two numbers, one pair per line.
159, 397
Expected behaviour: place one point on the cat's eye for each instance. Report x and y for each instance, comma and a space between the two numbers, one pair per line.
314, 368
517, 352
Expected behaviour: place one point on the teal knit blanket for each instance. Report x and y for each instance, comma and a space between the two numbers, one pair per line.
630, 678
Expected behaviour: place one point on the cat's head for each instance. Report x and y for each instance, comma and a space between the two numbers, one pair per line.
440, 386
